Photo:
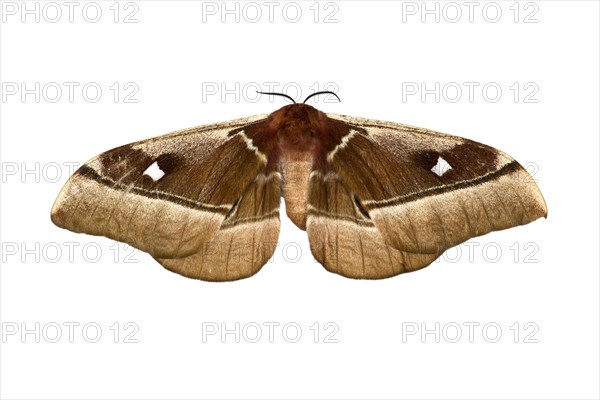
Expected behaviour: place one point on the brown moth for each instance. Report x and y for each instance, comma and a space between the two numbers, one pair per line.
376, 198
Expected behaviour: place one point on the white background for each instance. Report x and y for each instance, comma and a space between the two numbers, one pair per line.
546, 273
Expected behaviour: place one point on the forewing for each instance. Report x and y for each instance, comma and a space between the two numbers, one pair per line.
204, 171
426, 191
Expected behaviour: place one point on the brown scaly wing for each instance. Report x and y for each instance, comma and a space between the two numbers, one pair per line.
204, 171
245, 241
388, 167
345, 240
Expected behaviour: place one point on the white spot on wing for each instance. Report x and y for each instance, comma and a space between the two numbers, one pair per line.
441, 167
154, 171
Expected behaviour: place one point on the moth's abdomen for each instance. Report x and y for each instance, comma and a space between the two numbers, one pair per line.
296, 168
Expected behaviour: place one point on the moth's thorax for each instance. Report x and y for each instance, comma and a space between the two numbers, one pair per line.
297, 127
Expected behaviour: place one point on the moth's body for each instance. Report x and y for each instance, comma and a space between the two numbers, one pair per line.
376, 198
299, 129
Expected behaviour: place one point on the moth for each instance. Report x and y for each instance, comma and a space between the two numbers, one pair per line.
376, 198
